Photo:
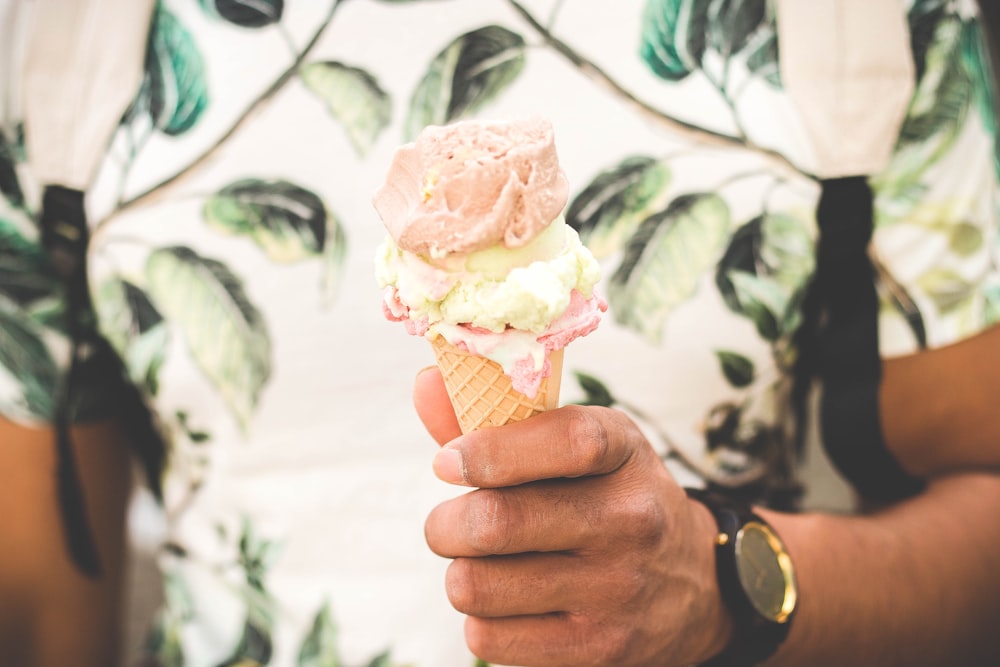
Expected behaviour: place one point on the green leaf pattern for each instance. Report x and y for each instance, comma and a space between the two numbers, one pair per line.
680, 37
660, 238
245, 13
666, 259
288, 222
25, 357
353, 97
464, 77
608, 211
176, 87
135, 328
224, 331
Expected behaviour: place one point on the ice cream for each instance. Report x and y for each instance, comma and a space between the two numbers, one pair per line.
478, 257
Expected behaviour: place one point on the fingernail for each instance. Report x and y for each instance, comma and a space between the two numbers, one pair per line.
448, 465
425, 369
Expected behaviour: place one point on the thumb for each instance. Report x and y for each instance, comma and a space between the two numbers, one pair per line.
433, 405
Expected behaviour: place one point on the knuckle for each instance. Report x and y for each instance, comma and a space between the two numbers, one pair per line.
587, 437
638, 517
479, 638
609, 643
647, 518
490, 522
433, 535
460, 586
624, 581
615, 645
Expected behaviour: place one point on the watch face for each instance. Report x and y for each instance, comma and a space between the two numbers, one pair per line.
765, 571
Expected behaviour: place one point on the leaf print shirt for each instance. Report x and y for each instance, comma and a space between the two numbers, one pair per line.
231, 268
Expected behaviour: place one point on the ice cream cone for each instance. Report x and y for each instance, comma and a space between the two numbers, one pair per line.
482, 394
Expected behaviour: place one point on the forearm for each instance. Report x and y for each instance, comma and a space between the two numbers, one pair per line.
50, 613
913, 585
946, 395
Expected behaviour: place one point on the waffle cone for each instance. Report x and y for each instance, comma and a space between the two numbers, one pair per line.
482, 394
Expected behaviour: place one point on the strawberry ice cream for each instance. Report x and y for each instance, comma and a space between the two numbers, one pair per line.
478, 251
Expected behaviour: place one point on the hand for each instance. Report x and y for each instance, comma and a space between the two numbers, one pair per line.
577, 548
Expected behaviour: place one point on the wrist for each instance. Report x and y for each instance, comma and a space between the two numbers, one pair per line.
718, 622
756, 581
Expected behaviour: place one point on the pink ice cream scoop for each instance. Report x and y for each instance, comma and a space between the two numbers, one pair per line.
480, 261
472, 185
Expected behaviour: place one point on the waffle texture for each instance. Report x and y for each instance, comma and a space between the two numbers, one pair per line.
483, 395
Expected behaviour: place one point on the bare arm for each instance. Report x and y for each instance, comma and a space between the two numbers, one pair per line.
601, 560
939, 408
50, 614
913, 585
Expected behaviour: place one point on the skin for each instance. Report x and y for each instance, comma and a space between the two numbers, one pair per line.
50, 614
961, 413
576, 547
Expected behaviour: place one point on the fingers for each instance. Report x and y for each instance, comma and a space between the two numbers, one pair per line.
539, 517
541, 583
587, 516
553, 640
569, 442
434, 408
525, 584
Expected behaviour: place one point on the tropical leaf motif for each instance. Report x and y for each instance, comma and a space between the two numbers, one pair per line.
976, 59
763, 301
175, 89
163, 644
923, 19
319, 648
738, 370
135, 329
943, 94
991, 313
665, 259
742, 262
10, 186
766, 264
288, 222
788, 249
673, 37
226, 334
126, 310
677, 35
608, 211
26, 358
245, 13
254, 648
731, 23
946, 288
25, 274
742, 254
470, 72
381, 660
353, 97
256, 645
762, 55
257, 555
965, 239
595, 391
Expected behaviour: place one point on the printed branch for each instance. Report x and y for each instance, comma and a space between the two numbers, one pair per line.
156, 191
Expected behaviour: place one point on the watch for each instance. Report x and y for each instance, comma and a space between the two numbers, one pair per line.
756, 580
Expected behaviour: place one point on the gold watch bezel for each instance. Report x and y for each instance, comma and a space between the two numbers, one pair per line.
782, 560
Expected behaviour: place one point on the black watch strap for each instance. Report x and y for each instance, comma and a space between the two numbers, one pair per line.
755, 637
